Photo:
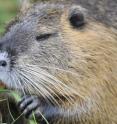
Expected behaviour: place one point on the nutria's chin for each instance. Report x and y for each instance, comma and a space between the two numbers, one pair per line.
66, 58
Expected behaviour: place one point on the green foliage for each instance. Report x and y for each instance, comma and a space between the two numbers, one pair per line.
8, 9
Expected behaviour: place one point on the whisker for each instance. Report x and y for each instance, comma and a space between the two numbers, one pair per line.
13, 80
55, 68
53, 84
54, 80
19, 82
50, 67
40, 90
50, 91
68, 98
41, 80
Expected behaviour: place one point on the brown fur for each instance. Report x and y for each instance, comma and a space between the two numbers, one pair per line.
98, 68
92, 63
93, 52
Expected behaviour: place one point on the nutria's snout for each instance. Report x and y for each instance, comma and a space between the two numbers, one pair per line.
5, 68
4, 62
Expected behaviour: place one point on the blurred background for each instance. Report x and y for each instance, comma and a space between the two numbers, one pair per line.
8, 9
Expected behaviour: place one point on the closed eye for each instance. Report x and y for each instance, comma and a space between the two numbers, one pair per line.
43, 37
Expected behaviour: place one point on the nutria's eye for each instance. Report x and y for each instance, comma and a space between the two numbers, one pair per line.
77, 20
43, 37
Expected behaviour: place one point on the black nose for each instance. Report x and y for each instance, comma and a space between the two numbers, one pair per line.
3, 63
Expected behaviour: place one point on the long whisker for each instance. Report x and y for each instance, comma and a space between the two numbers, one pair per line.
47, 88
53, 84
24, 84
18, 81
54, 80
67, 96
13, 81
50, 67
37, 78
40, 90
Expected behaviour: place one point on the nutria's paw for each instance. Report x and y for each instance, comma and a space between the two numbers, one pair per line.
41, 109
29, 105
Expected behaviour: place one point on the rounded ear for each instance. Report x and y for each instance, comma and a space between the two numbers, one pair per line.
77, 16
24, 5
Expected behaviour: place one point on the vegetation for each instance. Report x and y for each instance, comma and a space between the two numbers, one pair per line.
8, 9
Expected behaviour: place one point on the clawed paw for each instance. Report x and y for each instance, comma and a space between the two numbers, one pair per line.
40, 108
29, 105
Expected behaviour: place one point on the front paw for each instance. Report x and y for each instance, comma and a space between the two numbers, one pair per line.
30, 105
42, 110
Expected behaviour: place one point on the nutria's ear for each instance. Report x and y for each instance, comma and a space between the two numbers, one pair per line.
24, 5
77, 16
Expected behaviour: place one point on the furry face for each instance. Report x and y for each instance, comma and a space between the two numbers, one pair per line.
61, 54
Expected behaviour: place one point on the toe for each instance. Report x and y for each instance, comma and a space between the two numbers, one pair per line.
25, 103
30, 109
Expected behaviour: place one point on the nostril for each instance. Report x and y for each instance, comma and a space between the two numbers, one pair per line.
3, 63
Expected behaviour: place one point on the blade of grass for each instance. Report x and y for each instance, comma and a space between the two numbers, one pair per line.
16, 119
44, 118
9, 110
34, 118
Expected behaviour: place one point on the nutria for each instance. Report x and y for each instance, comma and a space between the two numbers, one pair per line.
64, 62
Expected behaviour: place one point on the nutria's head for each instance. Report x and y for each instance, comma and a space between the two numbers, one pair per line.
49, 41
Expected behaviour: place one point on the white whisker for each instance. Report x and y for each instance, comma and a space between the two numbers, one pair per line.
18, 81
55, 82
53, 87
37, 78
39, 90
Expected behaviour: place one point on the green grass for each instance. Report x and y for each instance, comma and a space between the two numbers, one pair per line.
8, 9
